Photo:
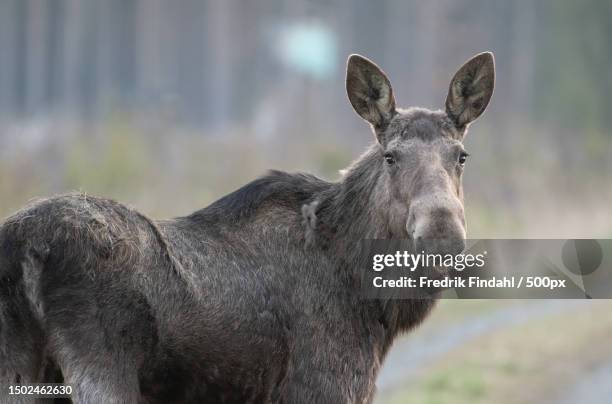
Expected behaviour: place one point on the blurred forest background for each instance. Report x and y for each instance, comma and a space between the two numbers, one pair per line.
168, 105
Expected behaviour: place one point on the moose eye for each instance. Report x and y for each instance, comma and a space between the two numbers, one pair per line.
463, 158
389, 159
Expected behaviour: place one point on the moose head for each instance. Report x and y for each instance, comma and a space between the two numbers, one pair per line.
421, 151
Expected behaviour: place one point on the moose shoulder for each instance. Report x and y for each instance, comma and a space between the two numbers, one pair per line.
252, 299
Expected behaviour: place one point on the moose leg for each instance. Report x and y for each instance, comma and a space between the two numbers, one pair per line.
323, 370
101, 352
96, 374
100, 338
21, 342
97, 385
20, 352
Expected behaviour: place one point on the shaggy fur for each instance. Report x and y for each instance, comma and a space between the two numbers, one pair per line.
252, 299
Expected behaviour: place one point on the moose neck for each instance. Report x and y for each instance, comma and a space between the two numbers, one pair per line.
355, 209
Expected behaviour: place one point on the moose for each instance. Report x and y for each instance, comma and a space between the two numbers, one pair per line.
253, 299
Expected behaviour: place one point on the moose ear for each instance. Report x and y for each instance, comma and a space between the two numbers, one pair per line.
471, 89
369, 91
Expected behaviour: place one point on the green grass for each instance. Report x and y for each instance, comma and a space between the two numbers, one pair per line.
523, 364
461, 384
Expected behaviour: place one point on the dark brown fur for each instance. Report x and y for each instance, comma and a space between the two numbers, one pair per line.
252, 299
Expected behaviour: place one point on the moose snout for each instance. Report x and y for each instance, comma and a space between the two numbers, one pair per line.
437, 228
